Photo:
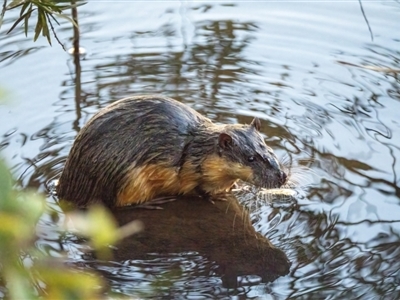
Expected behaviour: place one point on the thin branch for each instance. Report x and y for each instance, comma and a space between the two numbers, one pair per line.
366, 20
52, 29
74, 13
55, 20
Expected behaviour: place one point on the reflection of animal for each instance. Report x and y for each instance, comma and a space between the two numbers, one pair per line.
144, 147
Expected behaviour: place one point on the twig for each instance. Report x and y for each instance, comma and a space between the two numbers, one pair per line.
74, 13
366, 20
52, 29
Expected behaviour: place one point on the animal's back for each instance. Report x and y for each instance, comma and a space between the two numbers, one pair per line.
126, 147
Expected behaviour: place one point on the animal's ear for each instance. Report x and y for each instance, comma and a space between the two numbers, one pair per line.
224, 140
256, 123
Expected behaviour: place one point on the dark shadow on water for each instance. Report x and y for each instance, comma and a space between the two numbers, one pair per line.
222, 233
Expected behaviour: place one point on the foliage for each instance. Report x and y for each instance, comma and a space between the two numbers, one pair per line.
27, 273
47, 12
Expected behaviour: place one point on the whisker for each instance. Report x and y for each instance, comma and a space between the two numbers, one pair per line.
286, 160
299, 174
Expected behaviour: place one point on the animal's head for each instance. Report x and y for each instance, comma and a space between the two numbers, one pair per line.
251, 159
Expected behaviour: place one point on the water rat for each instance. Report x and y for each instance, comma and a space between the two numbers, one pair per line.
141, 148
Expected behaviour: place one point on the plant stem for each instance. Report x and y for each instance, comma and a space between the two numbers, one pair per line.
77, 63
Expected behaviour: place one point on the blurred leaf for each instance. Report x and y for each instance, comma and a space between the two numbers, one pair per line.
102, 227
5, 184
33, 206
70, 284
28, 272
97, 224
18, 285
13, 228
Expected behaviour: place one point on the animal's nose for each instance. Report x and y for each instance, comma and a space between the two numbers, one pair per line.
283, 177
273, 163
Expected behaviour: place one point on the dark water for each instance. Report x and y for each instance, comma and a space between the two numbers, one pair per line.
326, 89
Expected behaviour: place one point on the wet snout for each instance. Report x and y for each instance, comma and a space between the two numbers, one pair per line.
277, 176
282, 178
272, 161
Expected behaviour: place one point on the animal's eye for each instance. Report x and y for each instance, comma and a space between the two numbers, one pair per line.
251, 158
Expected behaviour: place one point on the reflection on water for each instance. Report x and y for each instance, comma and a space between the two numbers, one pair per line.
327, 95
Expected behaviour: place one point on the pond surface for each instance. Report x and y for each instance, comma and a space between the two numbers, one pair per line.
324, 84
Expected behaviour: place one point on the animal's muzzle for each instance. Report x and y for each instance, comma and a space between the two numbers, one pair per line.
282, 178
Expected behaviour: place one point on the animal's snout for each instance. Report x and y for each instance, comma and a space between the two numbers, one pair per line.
282, 178
272, 161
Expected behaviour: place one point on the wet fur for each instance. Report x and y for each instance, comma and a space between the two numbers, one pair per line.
143, 147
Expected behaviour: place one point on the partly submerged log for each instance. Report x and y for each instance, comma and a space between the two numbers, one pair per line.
221, 232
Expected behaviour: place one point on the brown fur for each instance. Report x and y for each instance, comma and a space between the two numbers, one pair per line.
148, 182
141, 148
220, 174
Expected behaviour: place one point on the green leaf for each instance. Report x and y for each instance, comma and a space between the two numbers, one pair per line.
46, 9
14, 4
33, 206
17, 285
5, 183
69, 5
70, 284
27, 16
24, 7
45, 29
64, 16
19, 20
50, 8
39, 26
